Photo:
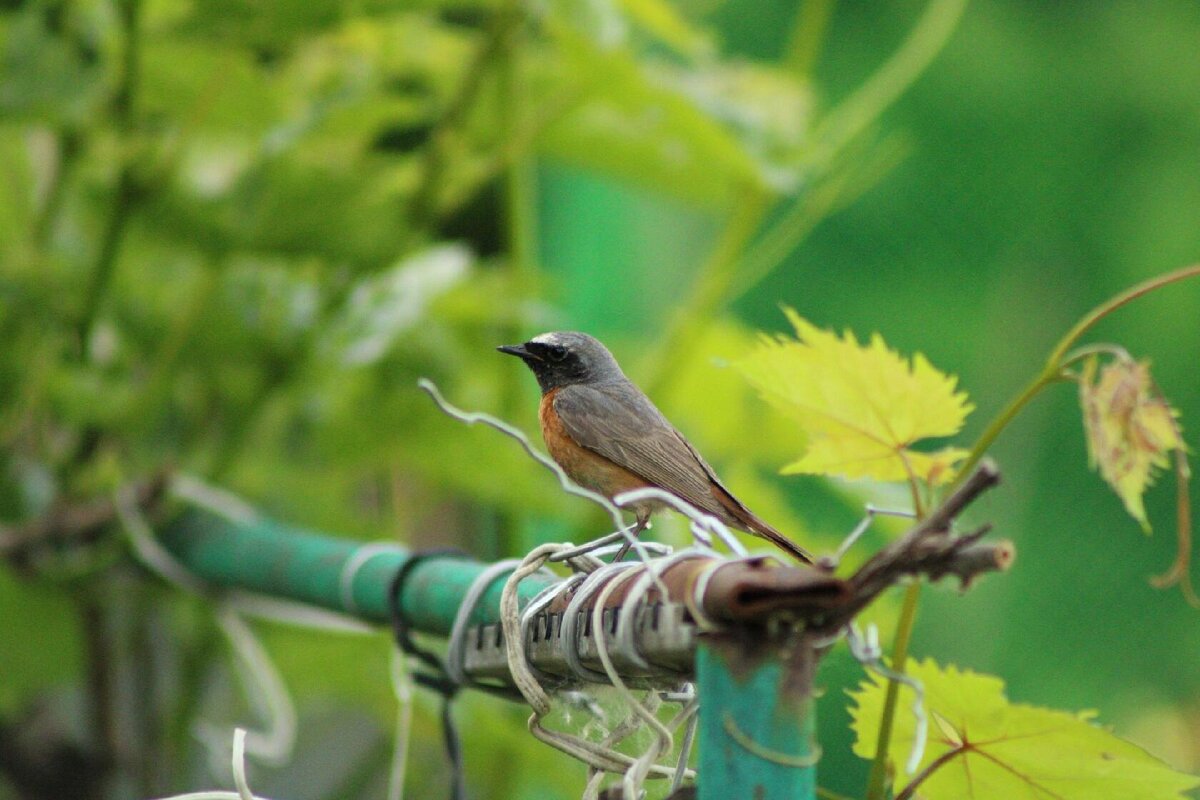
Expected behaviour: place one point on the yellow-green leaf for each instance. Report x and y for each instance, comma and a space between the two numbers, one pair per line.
1130, 429
986, 747
863, 406
718, 426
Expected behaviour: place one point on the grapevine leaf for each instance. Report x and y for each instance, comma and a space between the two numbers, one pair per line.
1130, 429
988, 747
863, 406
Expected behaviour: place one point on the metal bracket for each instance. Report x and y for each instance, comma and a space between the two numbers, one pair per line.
663, 635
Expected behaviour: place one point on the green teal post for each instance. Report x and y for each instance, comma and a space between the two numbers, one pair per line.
757, 728
274, 559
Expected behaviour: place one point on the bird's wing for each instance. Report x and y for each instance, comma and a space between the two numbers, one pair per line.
621, 424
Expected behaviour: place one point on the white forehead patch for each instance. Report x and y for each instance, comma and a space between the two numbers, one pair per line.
548, 338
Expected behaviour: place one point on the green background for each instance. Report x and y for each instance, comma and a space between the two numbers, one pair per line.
1048, 158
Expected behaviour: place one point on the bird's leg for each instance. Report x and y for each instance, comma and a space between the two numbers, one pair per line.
643, 522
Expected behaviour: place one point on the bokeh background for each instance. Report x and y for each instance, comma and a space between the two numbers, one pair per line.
233, 234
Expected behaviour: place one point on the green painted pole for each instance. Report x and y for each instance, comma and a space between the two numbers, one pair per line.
757, 725
282, 561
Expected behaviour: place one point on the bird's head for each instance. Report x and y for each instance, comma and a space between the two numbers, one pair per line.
562, 358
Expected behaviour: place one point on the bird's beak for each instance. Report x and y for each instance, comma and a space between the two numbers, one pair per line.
517, 350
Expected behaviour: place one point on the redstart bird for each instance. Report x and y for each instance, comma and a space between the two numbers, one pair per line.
610, 438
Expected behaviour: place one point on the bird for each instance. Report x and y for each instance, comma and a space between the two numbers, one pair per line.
608, 436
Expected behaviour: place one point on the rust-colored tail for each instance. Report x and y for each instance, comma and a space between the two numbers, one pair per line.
742, 517
760, 528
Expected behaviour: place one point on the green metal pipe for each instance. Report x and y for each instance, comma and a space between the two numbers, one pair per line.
282, 561
757, 722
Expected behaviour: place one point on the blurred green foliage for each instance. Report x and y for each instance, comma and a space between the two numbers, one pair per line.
232, 234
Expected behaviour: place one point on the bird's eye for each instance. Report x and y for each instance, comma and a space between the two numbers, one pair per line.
556, 352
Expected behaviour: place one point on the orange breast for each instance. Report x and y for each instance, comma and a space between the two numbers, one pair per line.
590, 470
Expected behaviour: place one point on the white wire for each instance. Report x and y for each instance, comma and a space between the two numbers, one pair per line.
867, 651
862, 526
239, 764
606, 545
635, 776
219, 501
537, 605
402, 686
301, 615
265, 687
148, 550
696, 598
636, 599
706, 522
239, 777
275, 742
457, 650
599, 756
688, 713
573, 622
